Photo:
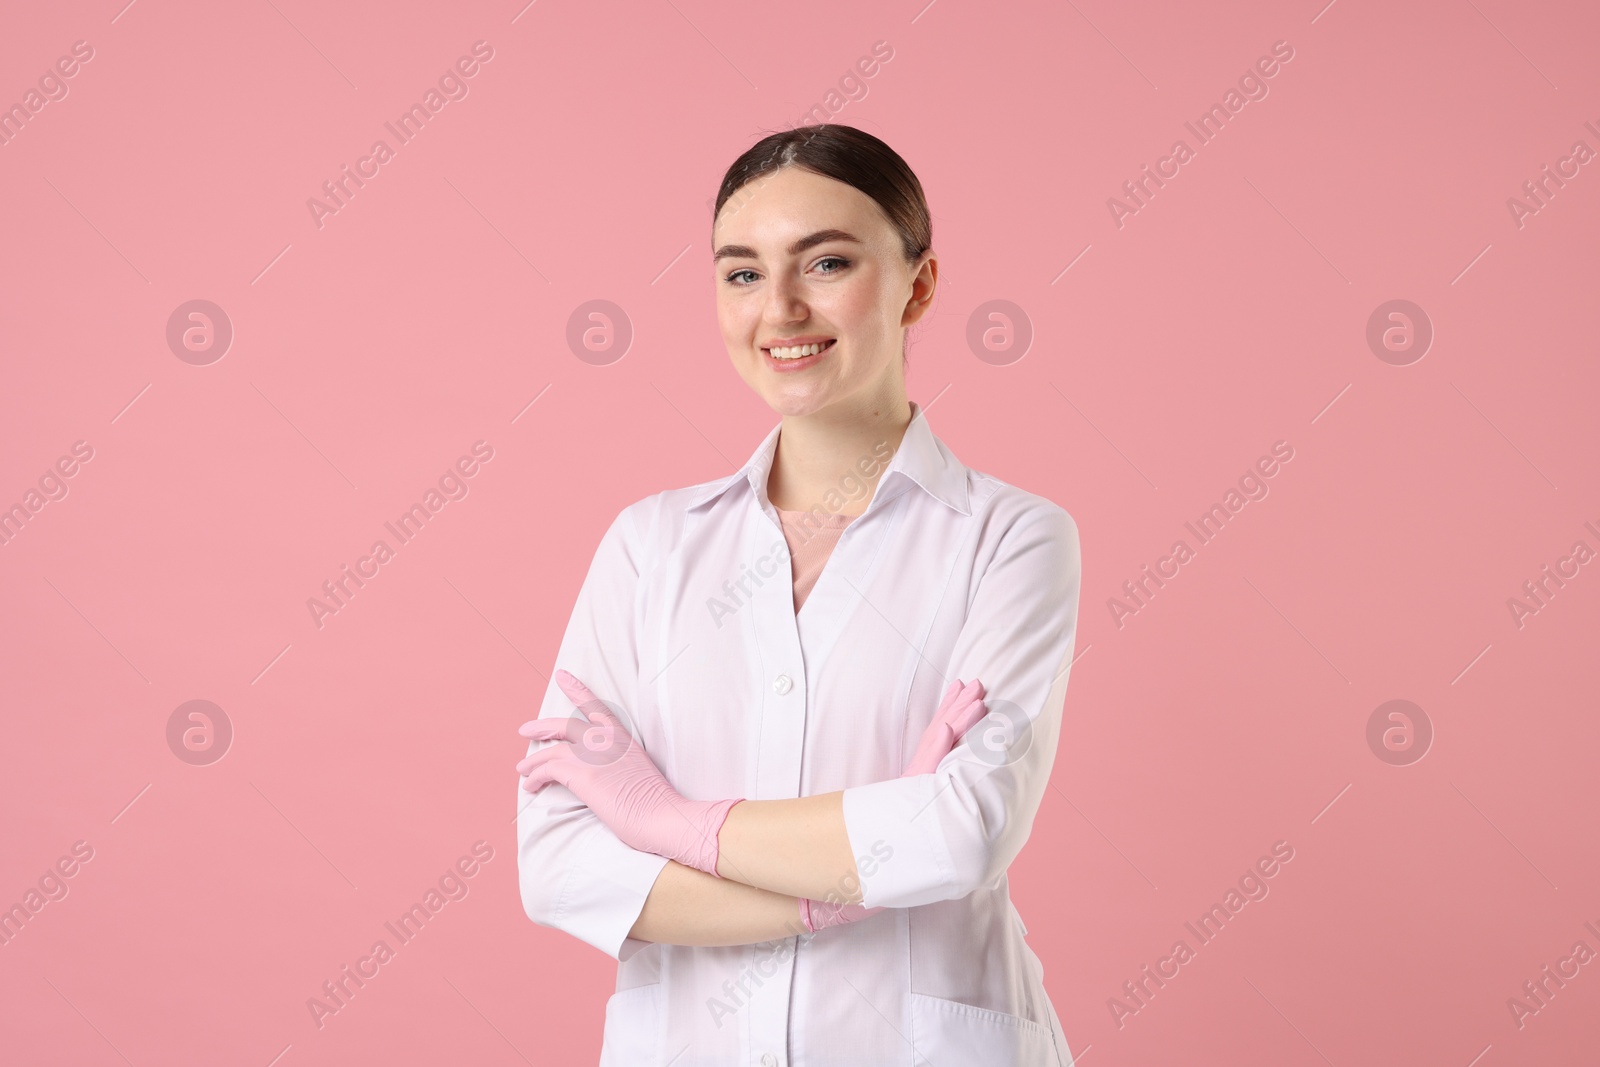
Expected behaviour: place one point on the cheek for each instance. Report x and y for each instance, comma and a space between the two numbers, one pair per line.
858, 307
733, 317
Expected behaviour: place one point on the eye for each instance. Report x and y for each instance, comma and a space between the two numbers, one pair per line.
843, 263
735, 274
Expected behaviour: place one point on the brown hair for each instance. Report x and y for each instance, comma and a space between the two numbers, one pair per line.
848, 155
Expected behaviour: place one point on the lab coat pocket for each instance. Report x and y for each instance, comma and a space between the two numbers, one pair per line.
633, 1028
947, 1033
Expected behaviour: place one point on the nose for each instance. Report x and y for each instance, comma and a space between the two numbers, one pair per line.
785, 302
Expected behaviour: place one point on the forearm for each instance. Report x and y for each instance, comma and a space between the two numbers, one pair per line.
771, 852
798, 848
690, 907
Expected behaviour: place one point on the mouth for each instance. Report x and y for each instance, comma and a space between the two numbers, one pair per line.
797, 357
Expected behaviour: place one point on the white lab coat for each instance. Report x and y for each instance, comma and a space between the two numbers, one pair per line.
685, 626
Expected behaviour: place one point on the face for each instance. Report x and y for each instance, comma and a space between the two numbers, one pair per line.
803, 259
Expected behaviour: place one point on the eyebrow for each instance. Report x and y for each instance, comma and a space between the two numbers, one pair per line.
808, 241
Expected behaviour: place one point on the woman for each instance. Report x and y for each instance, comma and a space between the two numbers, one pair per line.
761, 810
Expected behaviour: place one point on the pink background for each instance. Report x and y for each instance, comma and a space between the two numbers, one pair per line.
1228, 313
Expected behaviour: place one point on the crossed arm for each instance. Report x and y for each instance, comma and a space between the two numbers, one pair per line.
772, 852
784, 855
959, 828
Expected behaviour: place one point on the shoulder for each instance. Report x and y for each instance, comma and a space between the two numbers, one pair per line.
1007, 511
655, 522
1027, 550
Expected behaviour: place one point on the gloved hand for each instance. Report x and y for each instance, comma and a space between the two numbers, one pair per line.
821, 914
609, 771
958, 712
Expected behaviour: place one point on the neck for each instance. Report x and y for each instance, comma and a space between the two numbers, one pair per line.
822, 458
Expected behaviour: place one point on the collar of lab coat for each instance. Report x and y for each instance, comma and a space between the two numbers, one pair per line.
922, 460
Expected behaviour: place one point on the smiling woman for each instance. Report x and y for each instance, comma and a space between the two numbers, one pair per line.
807, 164
776, 815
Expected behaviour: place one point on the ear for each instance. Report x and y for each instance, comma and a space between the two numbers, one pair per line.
924, 281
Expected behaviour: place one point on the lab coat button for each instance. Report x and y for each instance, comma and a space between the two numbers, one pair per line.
768, 1060
780, 685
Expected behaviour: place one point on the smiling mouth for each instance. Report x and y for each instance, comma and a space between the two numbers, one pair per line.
800, 351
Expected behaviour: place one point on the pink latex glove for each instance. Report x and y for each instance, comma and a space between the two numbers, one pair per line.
958, 712
609, 771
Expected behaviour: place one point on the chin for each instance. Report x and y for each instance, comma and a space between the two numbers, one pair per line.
794, 406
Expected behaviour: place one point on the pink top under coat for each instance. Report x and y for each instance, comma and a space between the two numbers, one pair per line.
811, 537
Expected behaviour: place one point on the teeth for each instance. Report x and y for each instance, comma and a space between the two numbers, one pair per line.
798, 351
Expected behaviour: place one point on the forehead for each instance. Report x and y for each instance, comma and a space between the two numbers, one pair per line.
792, 202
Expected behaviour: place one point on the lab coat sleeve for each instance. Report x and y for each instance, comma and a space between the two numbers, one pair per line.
957, 829
574, 873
